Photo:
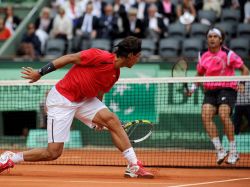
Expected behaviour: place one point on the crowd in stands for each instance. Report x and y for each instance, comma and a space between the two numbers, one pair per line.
80, 22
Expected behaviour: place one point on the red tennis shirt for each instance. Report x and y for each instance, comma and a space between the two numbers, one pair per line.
95, 73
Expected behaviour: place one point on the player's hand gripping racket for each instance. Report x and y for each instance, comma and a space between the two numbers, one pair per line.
180, 70
138, 130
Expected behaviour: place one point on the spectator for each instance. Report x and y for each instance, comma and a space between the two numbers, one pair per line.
168, 10
108, 27
242, 109
247, 12
72, 11
142, 8
62, 27
135, 24
186, 13
56, 4
155, 27
86, 29
11, 20
122, 23
82, 5
43, 26
30, 45
186, 6
98, 7
4, 31
118, 7
214, 5
128, 4
44, 22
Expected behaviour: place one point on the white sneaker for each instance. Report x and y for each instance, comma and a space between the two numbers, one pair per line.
233, 158
221, 155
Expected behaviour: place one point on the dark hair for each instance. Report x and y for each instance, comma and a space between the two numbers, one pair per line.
221, 31
128, 45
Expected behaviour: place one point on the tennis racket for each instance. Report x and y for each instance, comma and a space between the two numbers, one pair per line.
137, 130
179, 69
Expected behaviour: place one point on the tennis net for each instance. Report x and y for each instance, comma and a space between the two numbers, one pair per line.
179, 138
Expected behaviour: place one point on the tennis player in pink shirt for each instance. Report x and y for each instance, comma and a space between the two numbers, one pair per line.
79, 94
220, 97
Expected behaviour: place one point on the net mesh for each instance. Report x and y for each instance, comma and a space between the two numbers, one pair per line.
179, 138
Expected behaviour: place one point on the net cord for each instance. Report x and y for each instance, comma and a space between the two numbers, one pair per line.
140, 80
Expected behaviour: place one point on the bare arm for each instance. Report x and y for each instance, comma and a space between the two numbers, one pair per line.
244, 70
34, 75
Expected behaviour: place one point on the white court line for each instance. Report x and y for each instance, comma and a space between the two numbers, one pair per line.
87, 181
212, 182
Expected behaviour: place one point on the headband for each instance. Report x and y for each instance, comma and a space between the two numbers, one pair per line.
214, 31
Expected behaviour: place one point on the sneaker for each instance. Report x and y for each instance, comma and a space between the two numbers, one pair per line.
137, 171
221, 155
5, 161
233, 158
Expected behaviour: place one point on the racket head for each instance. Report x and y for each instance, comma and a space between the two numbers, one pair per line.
180, 68
138, 130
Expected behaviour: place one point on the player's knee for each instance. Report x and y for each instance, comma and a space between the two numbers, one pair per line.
53, 154
224, 117
206, 117
110, 119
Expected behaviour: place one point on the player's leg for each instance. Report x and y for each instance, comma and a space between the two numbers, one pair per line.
208, 112
58, 127
121, 141
94, 112
227, 99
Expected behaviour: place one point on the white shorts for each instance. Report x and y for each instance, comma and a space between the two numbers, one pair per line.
61, 113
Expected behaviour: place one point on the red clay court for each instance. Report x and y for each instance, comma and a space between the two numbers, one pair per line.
106, 176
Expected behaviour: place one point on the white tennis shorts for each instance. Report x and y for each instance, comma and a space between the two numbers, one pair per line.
61, 113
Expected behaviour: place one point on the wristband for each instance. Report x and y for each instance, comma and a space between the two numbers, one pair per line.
47, 69
193, 87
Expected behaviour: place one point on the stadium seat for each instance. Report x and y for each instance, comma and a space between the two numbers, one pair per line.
177, 30
230, 15
198, 30
243, 30
148, 48
191, 47
54, 47
116, 41
207, 16
228, 28
169, 47
104, 44
240, 46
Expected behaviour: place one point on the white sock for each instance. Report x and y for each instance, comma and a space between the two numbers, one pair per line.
232, 147
217, 144
130, 156
17, 157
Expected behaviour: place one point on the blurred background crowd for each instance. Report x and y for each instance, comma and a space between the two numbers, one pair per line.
168, 28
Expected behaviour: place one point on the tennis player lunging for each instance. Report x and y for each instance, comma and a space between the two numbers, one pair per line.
79, 95
220, 97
